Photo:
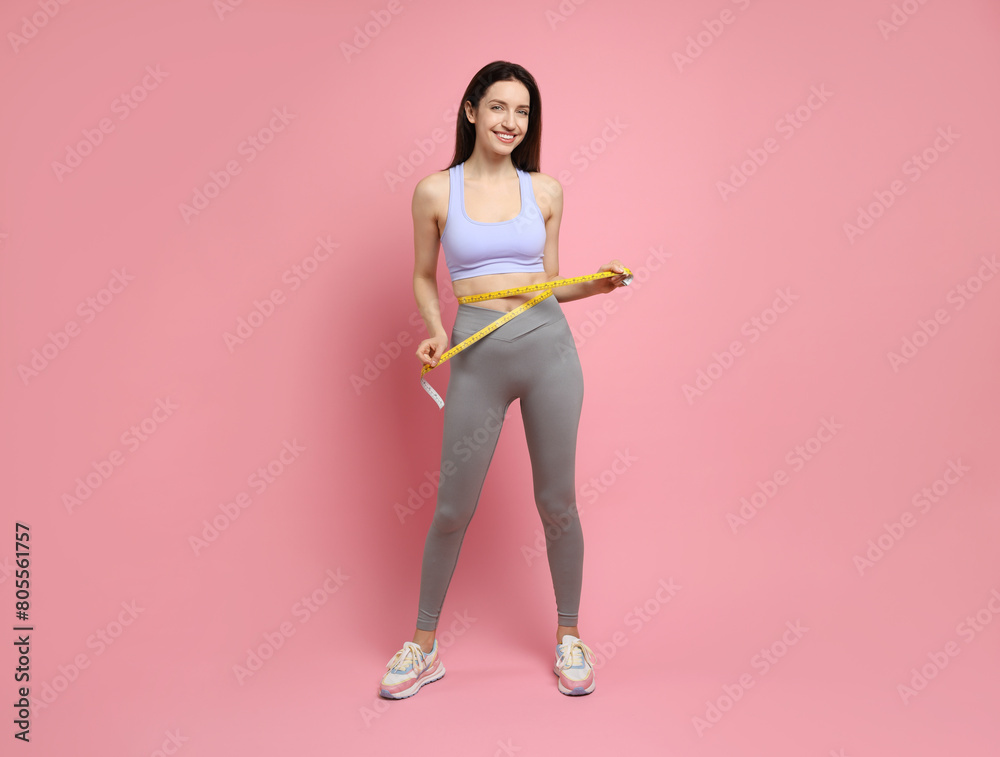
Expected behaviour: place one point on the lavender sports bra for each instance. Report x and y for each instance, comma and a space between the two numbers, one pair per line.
476, 248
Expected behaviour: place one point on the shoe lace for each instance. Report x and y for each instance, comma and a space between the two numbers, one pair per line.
574, 653
411, 652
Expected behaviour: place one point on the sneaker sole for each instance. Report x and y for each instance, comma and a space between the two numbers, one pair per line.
576, 691
406, 693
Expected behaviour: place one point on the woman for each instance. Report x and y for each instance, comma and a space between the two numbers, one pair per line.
497, 220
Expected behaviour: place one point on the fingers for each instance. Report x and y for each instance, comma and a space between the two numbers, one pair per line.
427, 351
615, 265
624, 279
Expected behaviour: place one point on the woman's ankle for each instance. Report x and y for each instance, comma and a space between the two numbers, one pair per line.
425, 639
563, 630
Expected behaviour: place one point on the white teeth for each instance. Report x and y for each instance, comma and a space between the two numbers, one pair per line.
504, 137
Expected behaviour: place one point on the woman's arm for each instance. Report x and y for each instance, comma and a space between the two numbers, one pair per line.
553, 194
426, 243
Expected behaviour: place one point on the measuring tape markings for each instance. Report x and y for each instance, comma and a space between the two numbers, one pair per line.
547, 286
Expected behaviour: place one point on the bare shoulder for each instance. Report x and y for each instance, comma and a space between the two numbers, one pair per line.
430, 199
548, 192
548, 183
432, 187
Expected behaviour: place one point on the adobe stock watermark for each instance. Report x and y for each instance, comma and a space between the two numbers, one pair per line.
582, 158
424, 148
787, 126
506, 747
87, 309
132, 439
223, 8
706, 37
6, 570
375, 366
99, 641
486, 433
559, 14
938, 660
248, 149
445, 639
901, 14
635, 620
892, 533
958, 297
172, 742
796, 458
122, 106
590, 490
379, 363
585, 155
370, 29
263, 477
597, 318
294, 277
31, 25
303, 610
752, 328
915, 168
763, 661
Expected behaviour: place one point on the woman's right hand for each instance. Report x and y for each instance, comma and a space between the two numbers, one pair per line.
430, 350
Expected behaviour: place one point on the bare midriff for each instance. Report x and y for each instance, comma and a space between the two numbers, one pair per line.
493, 282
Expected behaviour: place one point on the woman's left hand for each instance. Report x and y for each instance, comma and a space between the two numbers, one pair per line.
611, 282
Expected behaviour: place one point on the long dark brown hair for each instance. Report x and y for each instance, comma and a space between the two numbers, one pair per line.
527, 154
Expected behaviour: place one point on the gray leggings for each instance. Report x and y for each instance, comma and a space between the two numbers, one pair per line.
532, 357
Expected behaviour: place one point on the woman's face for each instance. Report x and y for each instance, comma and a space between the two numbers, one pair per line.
502, 112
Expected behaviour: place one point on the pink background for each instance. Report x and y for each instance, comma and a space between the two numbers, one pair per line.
670, 468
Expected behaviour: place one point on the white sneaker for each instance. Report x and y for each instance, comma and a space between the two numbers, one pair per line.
409, 669
574, 666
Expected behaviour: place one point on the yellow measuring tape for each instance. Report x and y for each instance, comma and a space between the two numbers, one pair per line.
548, 286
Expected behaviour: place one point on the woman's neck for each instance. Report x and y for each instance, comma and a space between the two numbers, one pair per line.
489, 168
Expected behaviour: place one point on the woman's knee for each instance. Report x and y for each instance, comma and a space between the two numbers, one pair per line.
448, 518
557, 507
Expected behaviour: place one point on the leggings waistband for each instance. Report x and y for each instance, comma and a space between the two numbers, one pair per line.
472, 318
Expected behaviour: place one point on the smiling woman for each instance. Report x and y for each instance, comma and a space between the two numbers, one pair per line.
496, 217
